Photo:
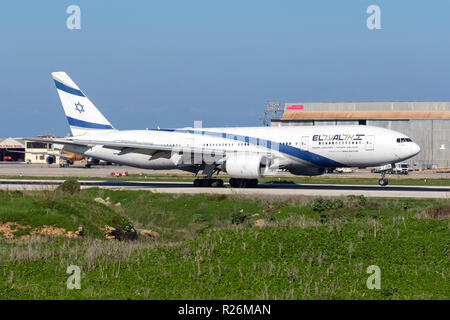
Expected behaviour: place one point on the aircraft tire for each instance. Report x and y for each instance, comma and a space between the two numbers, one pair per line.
252, 183
216, 183
383, 182
243, 183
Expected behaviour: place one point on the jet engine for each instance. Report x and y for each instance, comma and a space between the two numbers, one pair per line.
247, 165
50, 159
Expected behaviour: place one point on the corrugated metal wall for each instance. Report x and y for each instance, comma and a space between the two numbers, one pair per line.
433, 135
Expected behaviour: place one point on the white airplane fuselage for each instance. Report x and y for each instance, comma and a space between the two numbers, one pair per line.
297, 146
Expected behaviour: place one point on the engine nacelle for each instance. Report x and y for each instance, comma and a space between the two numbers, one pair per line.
306, 171
247, 165
50, 159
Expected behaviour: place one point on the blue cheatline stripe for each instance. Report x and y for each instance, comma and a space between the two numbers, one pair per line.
87, 124
67, 89
286, 149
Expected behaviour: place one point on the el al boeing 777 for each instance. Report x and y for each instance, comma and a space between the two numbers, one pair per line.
244, 153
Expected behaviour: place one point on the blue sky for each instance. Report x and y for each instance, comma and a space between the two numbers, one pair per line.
168, 63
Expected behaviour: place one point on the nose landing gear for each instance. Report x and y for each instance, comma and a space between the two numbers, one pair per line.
383, 181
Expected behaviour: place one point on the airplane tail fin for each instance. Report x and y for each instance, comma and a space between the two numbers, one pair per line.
81, 113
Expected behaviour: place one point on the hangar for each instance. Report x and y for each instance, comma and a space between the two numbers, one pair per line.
426, 122
10, 144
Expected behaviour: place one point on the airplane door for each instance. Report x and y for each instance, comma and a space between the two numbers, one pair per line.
370, 140
304, 143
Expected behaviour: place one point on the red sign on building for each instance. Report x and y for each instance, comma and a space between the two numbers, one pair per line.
295, 107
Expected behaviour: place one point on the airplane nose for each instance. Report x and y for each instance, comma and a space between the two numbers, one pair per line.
415, 149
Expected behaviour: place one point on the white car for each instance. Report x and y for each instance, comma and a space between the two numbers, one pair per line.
344, 170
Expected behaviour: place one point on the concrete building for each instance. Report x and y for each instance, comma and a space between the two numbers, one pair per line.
426, 122
38, 152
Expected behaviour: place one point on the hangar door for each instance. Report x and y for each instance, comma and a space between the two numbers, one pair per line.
370, 140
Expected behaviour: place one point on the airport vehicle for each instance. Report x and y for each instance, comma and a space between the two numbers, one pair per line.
379, 169
245, 153
398, 168
401, 168
344, 170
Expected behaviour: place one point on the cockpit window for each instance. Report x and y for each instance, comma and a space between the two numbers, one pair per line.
401, 140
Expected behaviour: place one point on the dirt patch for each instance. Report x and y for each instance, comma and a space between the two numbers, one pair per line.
435, 212
11, 230
106, 201
260, 223
7, 229
148, 233
273, 208
111, 233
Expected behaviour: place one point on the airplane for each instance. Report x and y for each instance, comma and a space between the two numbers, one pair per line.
244, 153
66, 158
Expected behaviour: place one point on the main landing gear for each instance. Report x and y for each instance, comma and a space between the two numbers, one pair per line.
383, 181
243, 183
208, 182
234, 182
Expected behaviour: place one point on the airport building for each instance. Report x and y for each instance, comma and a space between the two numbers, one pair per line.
12, 149
18, 150
426, 122
38, 152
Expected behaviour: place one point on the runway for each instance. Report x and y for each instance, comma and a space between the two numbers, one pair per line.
44, 170
282, 190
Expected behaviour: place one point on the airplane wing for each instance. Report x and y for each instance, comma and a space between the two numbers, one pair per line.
132, 146
154, 150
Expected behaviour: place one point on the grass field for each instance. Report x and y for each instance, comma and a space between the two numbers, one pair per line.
226, 247
326, 179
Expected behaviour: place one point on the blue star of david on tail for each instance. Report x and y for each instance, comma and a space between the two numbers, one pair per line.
79, 107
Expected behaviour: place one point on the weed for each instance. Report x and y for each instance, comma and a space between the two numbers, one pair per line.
69, 186
238, 217
320, 204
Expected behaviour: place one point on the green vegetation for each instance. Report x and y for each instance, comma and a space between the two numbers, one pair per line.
325, 179
70, 186
227, 247
61, 210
